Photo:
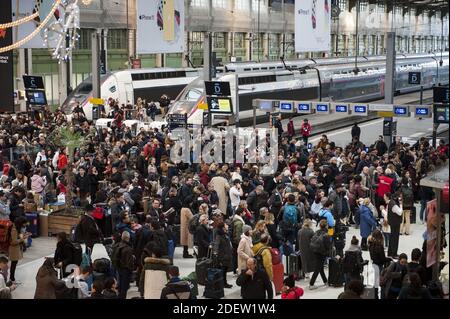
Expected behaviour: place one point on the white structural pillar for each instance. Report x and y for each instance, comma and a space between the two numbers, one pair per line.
62, 83
389, 86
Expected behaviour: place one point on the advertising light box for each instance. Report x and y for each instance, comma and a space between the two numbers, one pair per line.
286, 106
322, 107
360, 109
401, 110
341, 108
303, 107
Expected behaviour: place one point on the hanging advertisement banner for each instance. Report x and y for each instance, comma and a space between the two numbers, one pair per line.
6, 62
312, 25
160, 26
25, 8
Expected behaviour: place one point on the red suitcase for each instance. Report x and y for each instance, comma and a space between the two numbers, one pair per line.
278, 277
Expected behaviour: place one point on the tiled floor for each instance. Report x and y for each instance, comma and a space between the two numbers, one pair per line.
27, 269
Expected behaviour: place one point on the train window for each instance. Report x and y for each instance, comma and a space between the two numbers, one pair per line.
255, 69
264, 68
271, 68
279, 67
193, 95
247, 69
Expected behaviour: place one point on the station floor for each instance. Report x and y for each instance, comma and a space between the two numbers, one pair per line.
44, 246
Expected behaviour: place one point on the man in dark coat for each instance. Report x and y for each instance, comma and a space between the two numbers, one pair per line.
380, 146
124, 263
254, 283
83, 183
87, 230
64, 253
356, 131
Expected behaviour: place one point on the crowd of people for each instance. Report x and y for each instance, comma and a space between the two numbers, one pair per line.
130, 190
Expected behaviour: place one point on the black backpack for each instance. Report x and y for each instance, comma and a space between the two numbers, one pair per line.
351, 263
318, 243
259, 259
193, 224
77, 253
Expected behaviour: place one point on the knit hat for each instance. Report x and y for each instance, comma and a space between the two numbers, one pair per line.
246, 228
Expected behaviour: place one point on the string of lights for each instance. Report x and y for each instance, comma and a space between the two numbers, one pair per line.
19, 43
19, 22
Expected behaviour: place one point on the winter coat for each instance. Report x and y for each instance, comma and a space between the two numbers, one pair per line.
202, 239
126, 257
244, 251
377, 254
154, 277
46, 282
177, 289
293, 293
393, 272
83, 183
304, 243
89, 231
267, 258
238, 224
367, 221
223, 249
186, 238
222, 187
257, 286
384, 185
16, 245
37, 184
64, 253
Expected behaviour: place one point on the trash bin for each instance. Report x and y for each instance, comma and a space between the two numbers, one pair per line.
43, 224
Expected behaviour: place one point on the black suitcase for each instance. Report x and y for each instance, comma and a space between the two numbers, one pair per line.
214, 288
294, 264
201, 268
335, 273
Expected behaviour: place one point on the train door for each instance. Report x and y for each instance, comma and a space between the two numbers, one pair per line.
129, 94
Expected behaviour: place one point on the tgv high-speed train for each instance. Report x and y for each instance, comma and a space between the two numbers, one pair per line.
310, 81
129, 85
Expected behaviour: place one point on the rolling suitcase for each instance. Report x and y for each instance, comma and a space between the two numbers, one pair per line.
294, 264
201, 268
335, 273
278, 277
214, 288
33, 226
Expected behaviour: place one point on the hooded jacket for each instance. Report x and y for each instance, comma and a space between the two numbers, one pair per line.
46, 281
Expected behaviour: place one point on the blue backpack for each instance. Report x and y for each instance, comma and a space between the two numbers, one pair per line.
290, 215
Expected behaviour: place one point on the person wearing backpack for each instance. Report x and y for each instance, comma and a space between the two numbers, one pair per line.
237, 231
392, 277
378, 257
325, 214
320, 246
353, 262
124, 262
290, 218
263, 256
64, 254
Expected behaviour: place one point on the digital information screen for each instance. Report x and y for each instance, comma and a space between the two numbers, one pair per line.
36, 97
286, 107
441, 114
341, 108
33, 82
360, 109
220, 105
401, 110
304, 107
322, 107
422, 112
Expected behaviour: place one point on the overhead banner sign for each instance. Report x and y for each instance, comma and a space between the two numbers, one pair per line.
312, 25
160, 26
6, 62
24, 8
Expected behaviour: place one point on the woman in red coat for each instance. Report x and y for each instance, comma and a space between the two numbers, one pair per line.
289, 290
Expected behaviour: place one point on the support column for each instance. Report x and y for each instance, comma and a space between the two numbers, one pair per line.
159, 60
389, 85
265, 39
230, 46
96, 93
21, 70
248, 46
62, 86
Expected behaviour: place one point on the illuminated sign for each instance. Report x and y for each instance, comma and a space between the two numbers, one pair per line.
303, 107
322, 107
286, 106
401, 110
